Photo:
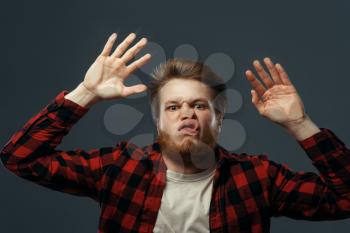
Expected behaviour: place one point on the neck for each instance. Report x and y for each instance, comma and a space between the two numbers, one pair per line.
189, 163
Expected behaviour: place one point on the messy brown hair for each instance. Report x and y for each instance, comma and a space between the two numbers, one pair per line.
187, 69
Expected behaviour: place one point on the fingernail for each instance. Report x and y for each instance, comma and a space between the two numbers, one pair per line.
143, 40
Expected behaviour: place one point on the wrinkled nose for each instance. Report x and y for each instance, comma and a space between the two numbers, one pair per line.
186, 112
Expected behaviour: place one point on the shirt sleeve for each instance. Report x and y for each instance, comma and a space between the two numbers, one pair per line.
311, 196
30, 153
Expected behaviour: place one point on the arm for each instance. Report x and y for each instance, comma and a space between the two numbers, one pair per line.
31, 152
309, 196
301, 195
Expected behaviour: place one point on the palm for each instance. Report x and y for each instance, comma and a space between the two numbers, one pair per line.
105, 77
280, 101
107, 82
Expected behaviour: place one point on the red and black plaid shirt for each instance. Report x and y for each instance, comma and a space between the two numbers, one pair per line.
128, 181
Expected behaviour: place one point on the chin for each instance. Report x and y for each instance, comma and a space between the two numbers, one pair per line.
188, 149
186, 144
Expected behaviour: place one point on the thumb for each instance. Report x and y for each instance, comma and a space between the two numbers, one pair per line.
256, 101
134, 89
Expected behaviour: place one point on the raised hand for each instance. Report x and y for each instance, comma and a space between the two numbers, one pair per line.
105, 77
275, 97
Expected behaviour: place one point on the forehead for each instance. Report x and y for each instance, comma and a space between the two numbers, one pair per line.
182, 89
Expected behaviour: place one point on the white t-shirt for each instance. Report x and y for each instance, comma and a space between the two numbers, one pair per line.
185, 203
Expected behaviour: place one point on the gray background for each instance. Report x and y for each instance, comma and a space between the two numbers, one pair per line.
47, 46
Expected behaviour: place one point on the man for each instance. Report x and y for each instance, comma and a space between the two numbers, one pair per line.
185, 181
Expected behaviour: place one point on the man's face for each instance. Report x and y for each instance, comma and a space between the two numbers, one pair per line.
187, 119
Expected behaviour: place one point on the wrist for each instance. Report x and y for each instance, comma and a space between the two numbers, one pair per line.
302, 128
82, 96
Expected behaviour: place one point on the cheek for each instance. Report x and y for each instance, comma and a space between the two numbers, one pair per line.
208, 120
167, 123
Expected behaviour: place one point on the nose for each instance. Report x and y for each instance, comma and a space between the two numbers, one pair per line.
187, 111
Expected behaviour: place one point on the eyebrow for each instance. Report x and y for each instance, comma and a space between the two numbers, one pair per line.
178, 100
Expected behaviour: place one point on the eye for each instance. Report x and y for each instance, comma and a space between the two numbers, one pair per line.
200, 106
172, 107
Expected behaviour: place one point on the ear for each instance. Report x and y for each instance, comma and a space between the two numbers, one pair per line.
220, 120
157, 125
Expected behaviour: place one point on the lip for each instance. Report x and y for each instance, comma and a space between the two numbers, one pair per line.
189, 131
189, 124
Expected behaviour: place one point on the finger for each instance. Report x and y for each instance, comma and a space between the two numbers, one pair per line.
283, 74
134, 50
273, 71
124, 45
256, 84
138, 63
134, 89
108, 46
262, 74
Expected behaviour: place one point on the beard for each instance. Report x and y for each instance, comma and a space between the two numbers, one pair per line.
195, 151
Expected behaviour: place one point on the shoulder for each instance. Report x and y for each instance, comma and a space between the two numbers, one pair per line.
233, 157
132, 150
